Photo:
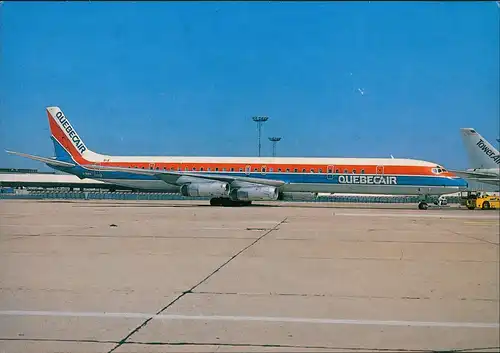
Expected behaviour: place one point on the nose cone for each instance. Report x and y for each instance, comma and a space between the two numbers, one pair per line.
461, 183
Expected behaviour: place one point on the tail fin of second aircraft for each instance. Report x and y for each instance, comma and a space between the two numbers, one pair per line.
68, 144
480, 152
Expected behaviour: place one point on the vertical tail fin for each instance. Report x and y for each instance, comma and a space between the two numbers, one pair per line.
68, 145
480, 152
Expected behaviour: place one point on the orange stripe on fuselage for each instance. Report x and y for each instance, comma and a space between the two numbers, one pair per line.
60, 136
282, 168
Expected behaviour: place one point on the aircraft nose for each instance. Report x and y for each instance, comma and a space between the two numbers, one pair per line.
462, 183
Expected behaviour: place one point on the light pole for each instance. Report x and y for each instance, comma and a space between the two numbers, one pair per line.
259, 120
274, 141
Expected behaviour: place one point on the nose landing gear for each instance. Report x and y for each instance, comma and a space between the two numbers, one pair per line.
423, 205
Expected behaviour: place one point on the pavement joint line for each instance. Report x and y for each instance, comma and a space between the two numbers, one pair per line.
251, 318
196, 285
472, 237
261, 345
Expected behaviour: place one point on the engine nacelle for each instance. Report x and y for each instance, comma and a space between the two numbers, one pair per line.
215, 189
255, 193
297, 196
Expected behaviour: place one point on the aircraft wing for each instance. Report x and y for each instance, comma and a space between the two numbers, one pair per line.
481, 177
49, 161
171, 177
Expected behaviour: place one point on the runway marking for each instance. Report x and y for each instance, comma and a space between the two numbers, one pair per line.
247, 318
414, 215
483, 223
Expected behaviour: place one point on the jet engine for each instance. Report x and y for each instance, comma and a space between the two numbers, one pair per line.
215, 189
255, 193
297, 196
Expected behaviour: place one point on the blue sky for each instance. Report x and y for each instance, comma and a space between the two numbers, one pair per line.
166, 78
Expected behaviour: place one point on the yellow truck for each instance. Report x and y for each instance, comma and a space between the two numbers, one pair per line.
480, 200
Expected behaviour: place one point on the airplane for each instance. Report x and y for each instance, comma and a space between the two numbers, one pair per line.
237, 181
484, 159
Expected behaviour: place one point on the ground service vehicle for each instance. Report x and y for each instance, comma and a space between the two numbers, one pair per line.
482, 201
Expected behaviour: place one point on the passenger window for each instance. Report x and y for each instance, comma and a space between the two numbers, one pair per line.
320, 170
241, 169
329, 171
208, 169
336, 171
295, 170
303, 170
345, 171
279, 169
201, 169
362, 171
186, 169
270, 169
232, 169
224, 169
287, 170
217, 169
255, 169
354, 171
172, 168
194, 168
312, 170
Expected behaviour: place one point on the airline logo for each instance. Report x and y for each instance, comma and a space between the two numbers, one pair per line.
482, 146
368, 179
73, 136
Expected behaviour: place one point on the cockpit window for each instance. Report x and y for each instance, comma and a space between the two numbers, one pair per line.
438, 170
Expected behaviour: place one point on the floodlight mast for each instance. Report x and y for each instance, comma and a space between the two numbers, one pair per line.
274, 141
260, 120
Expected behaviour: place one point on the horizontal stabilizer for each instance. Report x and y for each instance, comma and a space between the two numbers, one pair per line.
49, 161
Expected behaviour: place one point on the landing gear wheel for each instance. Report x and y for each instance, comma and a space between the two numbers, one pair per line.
216, 201
225, 202
422, 206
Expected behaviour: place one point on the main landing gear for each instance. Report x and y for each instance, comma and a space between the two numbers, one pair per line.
222, 201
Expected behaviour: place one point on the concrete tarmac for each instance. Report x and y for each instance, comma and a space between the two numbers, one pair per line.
170, 276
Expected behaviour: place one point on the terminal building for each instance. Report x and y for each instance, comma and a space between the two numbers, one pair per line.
32, 179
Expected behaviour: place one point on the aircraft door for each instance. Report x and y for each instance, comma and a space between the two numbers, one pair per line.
248, 169
96, 172
329, 172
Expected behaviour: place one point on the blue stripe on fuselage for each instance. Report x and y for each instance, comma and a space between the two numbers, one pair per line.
336, 179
